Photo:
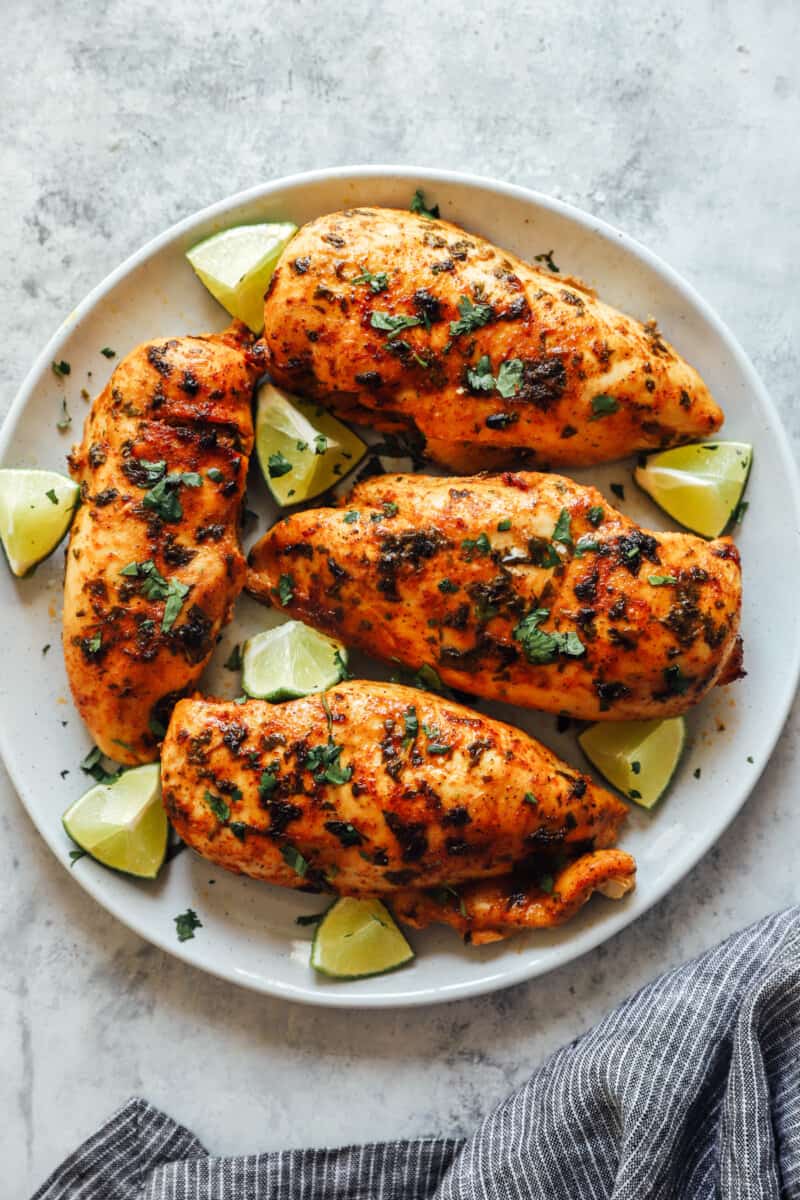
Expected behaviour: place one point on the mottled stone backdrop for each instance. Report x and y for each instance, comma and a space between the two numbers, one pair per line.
677, 121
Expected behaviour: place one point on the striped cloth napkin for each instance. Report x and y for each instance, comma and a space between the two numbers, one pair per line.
689, 1089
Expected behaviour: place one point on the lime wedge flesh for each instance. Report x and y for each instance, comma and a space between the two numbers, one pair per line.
236, 266
289, 661
357, 938
36, 510
700, 485
637, 757
302, 450
123, 824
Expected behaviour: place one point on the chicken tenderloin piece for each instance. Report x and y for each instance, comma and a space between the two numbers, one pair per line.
491, 909
373, 789
405, 323
154, 562
521, 587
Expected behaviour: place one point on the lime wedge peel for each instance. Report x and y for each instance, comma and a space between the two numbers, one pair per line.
700, 486
123, 824
358, 938
290, 661
302, 450
36, 510
236, 266
639, 758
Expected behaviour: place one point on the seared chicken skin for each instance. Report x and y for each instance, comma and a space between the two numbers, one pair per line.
154, 562
405, 323
521, 587
374, 789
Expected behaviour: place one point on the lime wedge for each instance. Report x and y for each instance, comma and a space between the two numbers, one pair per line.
36, 510
289, 661
357, 938
237, 264
699, 485
302, 449
123, 824
637, 757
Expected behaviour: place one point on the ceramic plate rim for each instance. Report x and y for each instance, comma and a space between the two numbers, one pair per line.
508, 976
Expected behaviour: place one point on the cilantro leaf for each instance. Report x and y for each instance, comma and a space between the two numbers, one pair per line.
51, 496
602, 405
392, 323
563, 528
286, 589
419, 207
473, 316
509, 377
61, 368
234, 660
547, 259
176, 594
294, 859
378, 283
543, 647
661, 580
218, 806
277, 465
107, 352
186, 923
595, 515
480, 377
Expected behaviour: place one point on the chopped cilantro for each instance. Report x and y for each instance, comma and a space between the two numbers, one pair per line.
107, 352
603, 404
186, 923
320, 443
750, 758
504, 525
619, 490
75, 855
447, 585
697, 772
61, 368
737, 516
268, 781
94, 643
234, 660
509, 377
543, 647
309, 918
634, 795
294, 859
286, 589
563, 528
378, 283
45, 648
277, 465
585, 544
480, 544
529, 798
92, 765
636, 767
410, 726
480, 377
65, 420
163, 496
392, 323
214, 474
473, 316
51, 496
547, 259
351, 517
218, 806
419, 207
661, 580
675, 681
595, 515
176, 594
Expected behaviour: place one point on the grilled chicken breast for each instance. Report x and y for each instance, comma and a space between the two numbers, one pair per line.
154, 562
521, 587
374, 789
405, 323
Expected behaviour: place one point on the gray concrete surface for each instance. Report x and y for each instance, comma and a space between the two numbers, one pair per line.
678, 122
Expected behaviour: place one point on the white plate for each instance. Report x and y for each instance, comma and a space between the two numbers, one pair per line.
249, 934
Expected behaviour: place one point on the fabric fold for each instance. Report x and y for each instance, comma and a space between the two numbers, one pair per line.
689, 1089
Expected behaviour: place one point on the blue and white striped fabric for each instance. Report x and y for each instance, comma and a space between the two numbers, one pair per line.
691, 1089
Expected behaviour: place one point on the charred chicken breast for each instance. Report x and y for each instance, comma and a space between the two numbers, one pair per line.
154, 562
411, 324
379, 790
521, 587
